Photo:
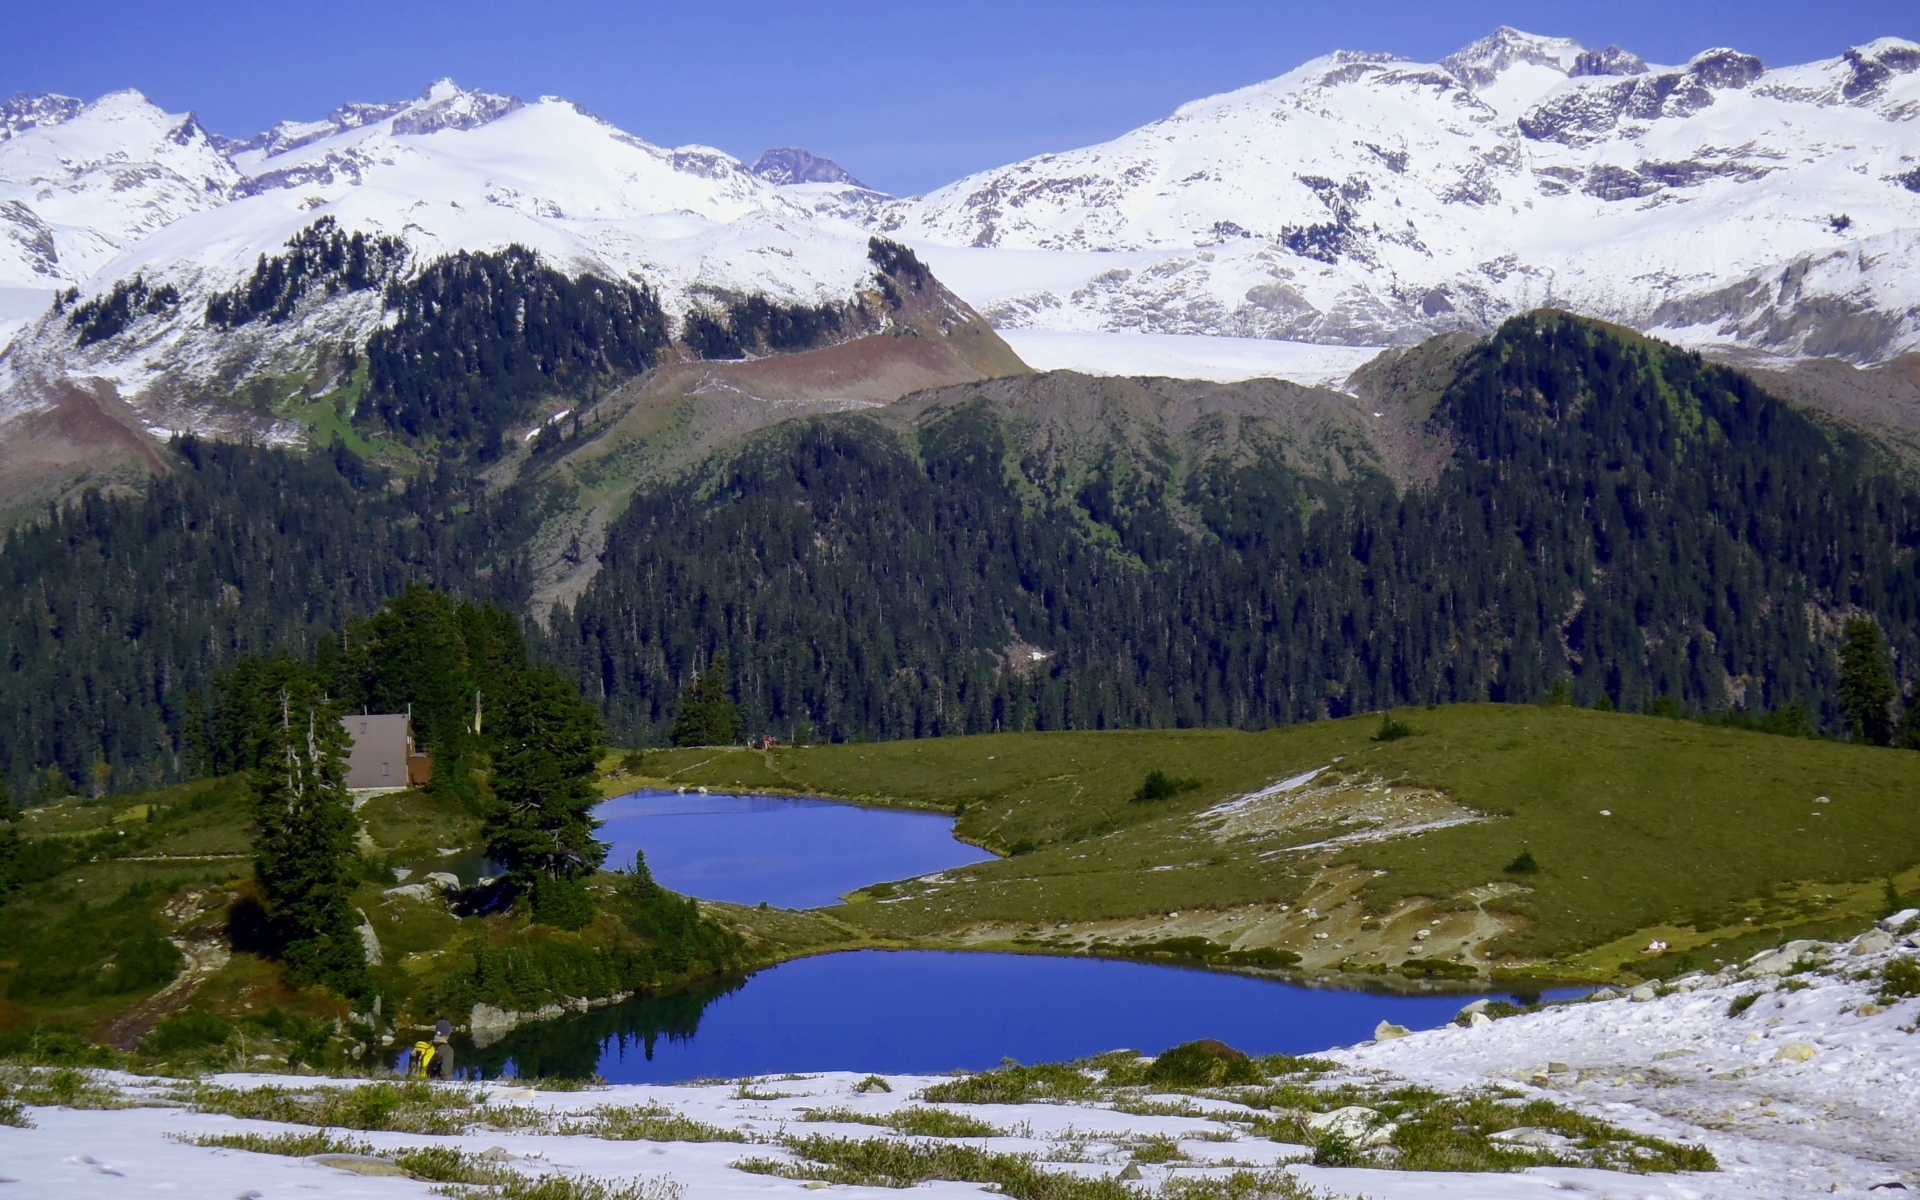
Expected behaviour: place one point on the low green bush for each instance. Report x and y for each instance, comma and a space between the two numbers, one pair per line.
1392, 729
1013, 1084
920, 1121
42, 1047
1206, 1063
1158, 785
562, 903
1900, 979
645, 1123
1436, 968
184, 1031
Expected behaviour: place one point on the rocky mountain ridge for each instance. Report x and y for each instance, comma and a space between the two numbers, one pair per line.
1366, 199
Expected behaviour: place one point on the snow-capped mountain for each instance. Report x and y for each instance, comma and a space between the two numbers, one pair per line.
790, 164
1366, 199
82, 183
453, 170
1359, 200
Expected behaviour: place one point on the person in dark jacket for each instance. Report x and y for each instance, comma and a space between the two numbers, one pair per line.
433, 1060
441, 1065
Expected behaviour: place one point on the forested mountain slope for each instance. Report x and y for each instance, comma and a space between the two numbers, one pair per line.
1618, 514
1566, 501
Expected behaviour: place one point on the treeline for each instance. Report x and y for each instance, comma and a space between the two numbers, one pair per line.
322, 256
1623, 522
117, 609
106, 316
757, 325
475, 340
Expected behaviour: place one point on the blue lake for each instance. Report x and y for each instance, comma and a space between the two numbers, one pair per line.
896, 1011
789, 853
929, 1010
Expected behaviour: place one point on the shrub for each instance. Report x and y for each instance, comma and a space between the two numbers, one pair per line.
1261, 956
1158, 785
1013, 1084
645, 1123
886, 1162
186, 1031
1391, 729
1206, 1063
52, 1048
1740, 1004
1332, 1149
561, 903
920, 1121
1900, 979
1436, 968
1523, 865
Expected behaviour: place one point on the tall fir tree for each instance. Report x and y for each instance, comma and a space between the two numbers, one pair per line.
539, 822
707, 715
1866, 684
9, 844
303, 845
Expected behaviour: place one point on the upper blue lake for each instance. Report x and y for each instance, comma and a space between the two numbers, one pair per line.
789, 853
896, 1011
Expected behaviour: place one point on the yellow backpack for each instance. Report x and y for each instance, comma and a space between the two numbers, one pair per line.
422, 1055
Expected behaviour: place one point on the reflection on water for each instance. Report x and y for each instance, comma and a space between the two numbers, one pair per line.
572, 1047
924, 1011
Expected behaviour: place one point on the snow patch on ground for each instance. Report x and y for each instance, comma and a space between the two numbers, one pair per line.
1187, 356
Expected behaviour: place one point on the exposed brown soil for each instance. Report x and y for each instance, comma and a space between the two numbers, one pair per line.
1881, 401
676, 416
88, 438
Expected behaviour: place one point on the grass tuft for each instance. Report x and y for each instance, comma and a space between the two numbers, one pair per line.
886, 1162
645, 1123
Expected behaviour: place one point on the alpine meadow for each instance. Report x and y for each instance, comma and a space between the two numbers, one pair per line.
1360, 638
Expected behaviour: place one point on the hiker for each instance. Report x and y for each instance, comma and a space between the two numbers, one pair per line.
433, 1060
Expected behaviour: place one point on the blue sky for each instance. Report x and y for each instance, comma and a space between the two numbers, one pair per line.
908, 96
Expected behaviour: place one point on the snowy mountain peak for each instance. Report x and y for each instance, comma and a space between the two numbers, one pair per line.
443, 105
1724, 67
81, 182
1873, 64
22, 112
1481, 64
784, 165
446, 105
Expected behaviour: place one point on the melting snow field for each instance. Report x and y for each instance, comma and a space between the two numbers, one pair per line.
1187, 356
1813, 1089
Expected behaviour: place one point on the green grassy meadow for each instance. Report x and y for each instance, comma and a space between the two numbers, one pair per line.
1709, 826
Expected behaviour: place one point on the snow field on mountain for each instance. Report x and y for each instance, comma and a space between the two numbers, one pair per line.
1437, 202
1187, 356
1807, 1091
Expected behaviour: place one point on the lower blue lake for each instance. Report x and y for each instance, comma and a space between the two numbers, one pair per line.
929, 1010
895, 1011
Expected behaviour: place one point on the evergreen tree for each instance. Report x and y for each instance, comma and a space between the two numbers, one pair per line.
1866, 684
9, 845
303, 845
707, 714
540, 823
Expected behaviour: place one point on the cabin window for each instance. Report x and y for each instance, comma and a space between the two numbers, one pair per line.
383, 768
363, 727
